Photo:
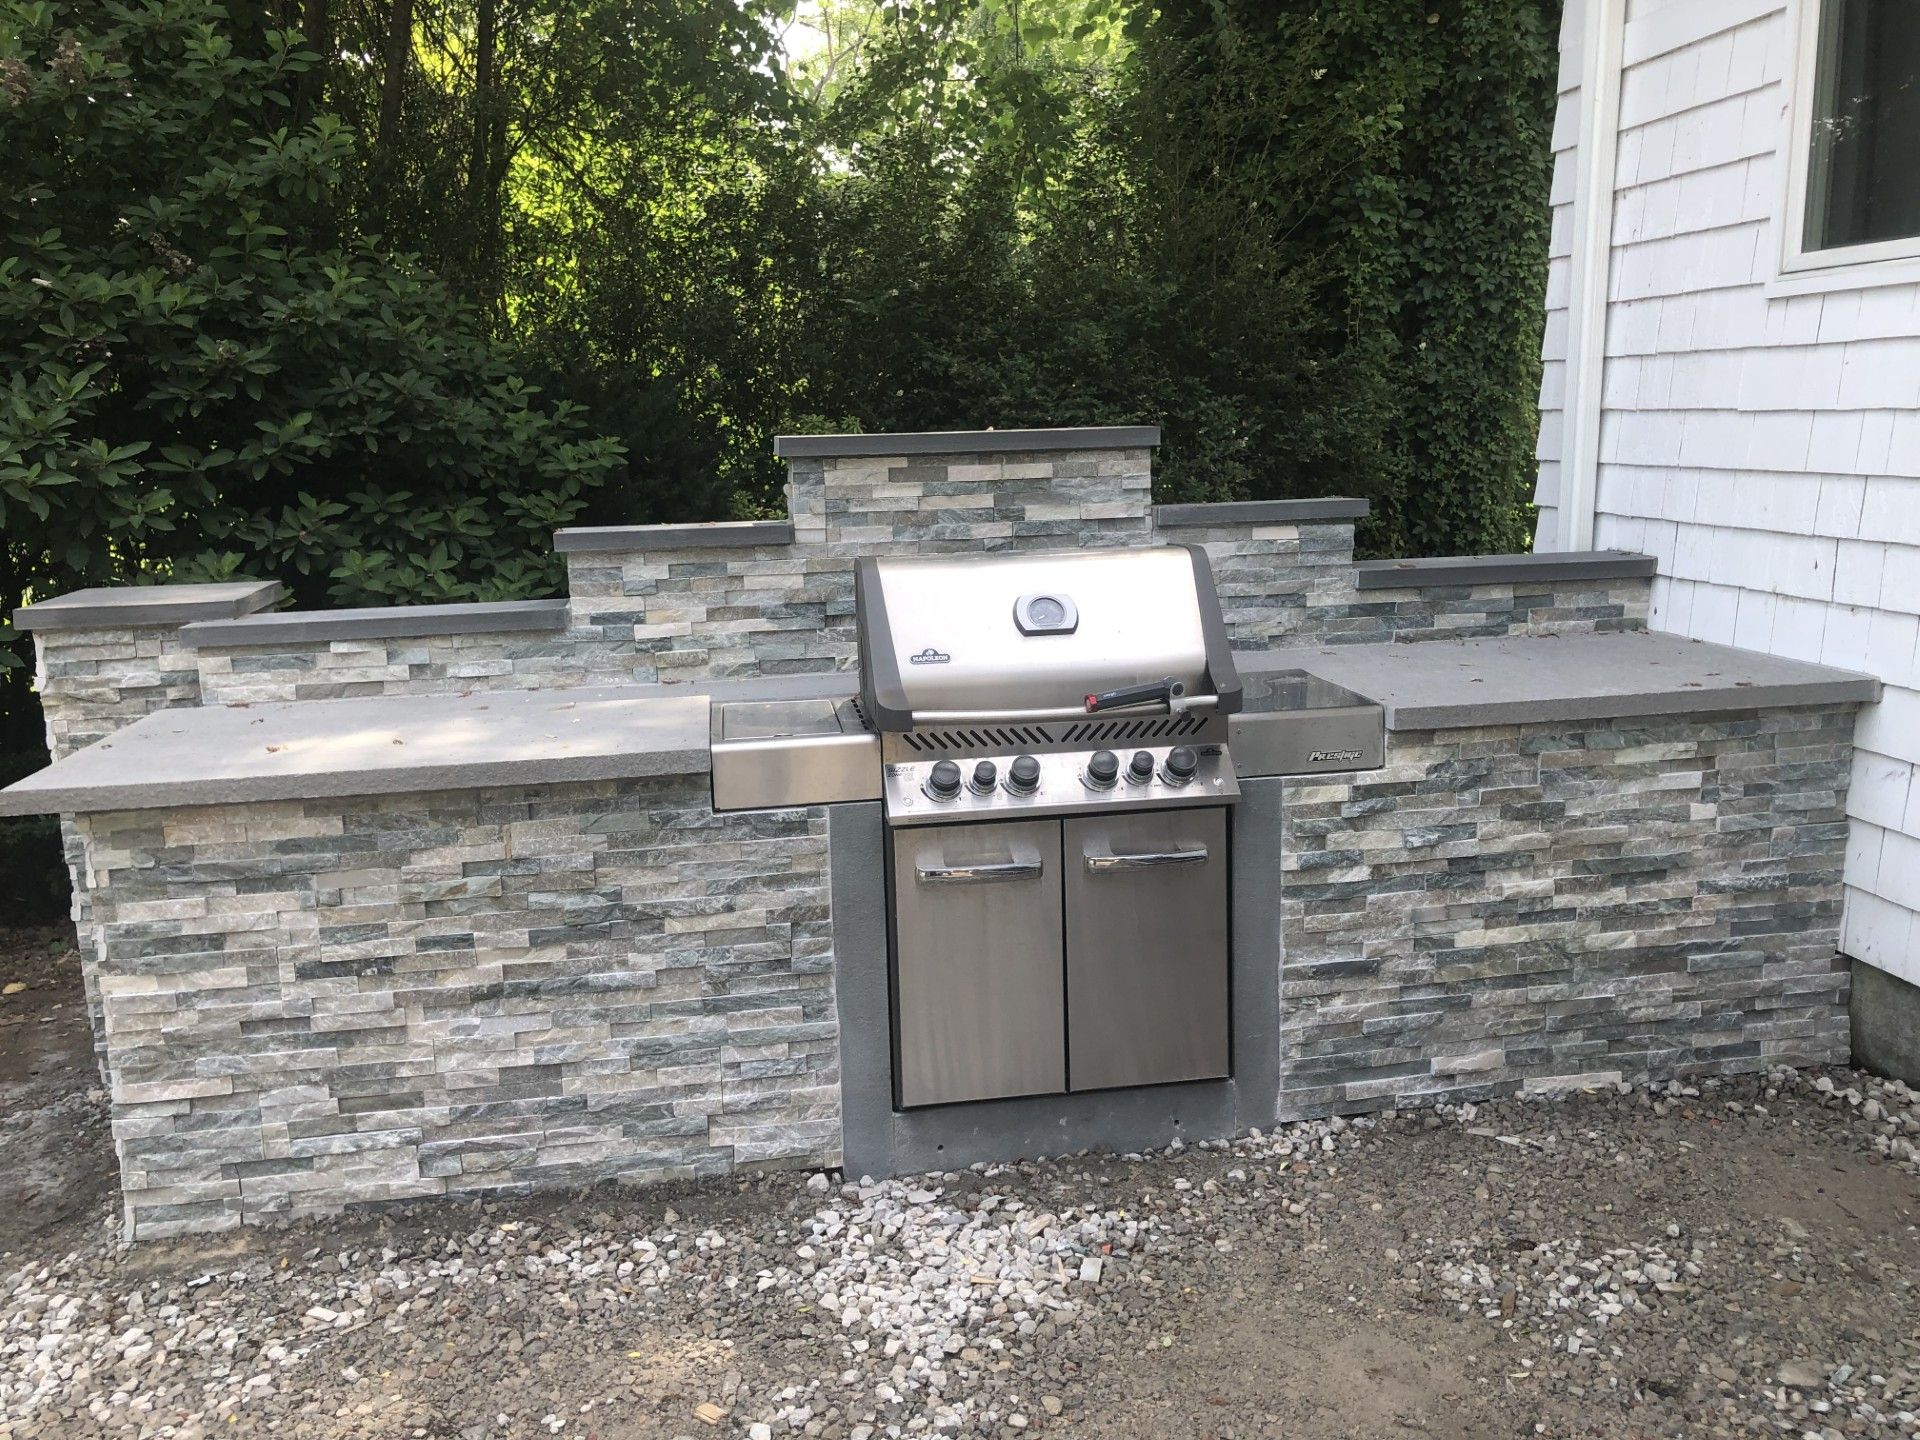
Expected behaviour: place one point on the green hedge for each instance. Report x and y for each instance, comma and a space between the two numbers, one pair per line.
1309, 239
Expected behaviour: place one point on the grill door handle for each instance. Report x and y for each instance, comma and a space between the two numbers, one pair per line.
1101, 857
980, 872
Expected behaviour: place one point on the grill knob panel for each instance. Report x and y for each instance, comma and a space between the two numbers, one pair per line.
984, 776
1182, 764
1140, 767
943, 781
1103, 769
1023, 775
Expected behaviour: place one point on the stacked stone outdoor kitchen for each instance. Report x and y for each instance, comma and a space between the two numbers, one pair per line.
436, 900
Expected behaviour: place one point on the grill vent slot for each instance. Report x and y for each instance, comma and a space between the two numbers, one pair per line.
1159, 727
986, 737
1077, 732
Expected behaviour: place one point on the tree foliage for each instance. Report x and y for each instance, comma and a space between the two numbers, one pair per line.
209, 370
1306, 238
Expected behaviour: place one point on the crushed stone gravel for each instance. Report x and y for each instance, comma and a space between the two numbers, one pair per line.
1730, 1258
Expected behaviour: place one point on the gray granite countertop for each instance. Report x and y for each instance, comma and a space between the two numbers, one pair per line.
313, 749
1516, 680
300, 750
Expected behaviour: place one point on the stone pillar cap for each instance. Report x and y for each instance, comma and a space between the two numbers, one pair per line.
102, 607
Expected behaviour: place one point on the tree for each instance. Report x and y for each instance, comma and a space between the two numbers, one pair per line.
1307, 236
208, 370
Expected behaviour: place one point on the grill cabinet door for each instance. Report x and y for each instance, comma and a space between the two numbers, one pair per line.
978, 975
1146, 948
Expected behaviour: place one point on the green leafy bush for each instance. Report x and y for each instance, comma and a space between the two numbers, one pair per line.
207, 371
1308, 237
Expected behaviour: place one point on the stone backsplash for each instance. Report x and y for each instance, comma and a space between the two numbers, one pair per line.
728, 600
320, 669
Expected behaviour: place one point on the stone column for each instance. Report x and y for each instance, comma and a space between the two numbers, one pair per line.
1283, 568
104, 658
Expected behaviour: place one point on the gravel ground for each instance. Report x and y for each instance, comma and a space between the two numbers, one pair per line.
56, 1156
1737, 1259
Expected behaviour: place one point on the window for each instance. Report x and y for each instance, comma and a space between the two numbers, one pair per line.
1856, 167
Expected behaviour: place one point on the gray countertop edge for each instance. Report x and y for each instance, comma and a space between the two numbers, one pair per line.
377, 623
1501, 569
23, 799
106, 607
1261, 512
705, 535
968, 442
1860, 690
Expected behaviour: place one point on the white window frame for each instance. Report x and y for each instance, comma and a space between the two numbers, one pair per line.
1886, 262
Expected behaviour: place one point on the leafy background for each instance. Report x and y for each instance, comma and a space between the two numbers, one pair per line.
370, 295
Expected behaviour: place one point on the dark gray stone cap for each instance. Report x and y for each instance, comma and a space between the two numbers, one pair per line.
970, 442
291, 627
379, 745
1532, 679
109, 606
1502, 569
709, 535
1261, 512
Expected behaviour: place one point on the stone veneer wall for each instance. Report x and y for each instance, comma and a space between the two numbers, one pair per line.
1279, 584
1460, 612
697, 603
309, 1004
701, 602
1504, 908
1284, 572
92, 683
408, 665
704, 613
698, 612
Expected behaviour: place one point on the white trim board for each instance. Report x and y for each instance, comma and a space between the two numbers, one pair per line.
1596, 160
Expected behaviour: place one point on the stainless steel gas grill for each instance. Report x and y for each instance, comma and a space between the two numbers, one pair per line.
1055, 778
1053, 740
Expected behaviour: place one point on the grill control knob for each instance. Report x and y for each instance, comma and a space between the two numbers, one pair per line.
943, 781
984, 774
1103, 769
1023, 775
1182, 764
1140, 767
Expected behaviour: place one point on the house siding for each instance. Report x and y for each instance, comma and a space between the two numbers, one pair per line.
1764, 447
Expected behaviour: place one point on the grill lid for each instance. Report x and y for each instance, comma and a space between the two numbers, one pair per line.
1025, 636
